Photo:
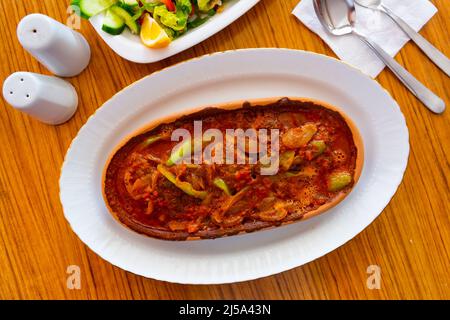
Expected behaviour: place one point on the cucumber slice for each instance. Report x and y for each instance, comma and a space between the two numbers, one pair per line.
127, 17
129, 3
132, 6
113, 24
75, 5
90, 8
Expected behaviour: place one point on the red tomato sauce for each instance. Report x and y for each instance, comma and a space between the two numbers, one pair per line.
317, 163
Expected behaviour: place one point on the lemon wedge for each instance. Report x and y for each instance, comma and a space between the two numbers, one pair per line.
152, 35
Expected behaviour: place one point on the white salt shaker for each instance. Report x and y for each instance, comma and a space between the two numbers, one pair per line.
48, 99
63, 51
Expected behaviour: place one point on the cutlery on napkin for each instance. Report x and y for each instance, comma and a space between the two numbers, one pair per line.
380, 27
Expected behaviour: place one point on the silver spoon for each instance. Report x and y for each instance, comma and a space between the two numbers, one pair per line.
338, 18
434, 54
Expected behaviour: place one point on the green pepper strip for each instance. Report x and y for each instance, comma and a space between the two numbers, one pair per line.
219, 183
319, 146
178, 154
182, 151
150, 141
286, 159
186, 187
339, 180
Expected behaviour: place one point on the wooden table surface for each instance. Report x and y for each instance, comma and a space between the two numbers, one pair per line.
410, 241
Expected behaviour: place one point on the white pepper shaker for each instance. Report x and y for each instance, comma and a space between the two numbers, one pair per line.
48, 99
63, 51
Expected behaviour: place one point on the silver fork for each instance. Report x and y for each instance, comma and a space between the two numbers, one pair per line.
434, 54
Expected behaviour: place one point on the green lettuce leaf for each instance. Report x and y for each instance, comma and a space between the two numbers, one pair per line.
185, 6
177, 21
206, 5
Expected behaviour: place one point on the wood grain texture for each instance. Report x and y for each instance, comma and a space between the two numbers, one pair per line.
410, 240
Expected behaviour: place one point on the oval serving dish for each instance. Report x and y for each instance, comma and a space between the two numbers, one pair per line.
320, 161
268, 73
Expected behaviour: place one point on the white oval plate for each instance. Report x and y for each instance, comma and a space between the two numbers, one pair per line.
218, 78
129, 46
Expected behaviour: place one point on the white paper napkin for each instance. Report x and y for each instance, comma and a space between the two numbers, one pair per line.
378, 26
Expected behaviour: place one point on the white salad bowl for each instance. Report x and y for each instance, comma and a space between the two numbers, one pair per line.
129, 46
